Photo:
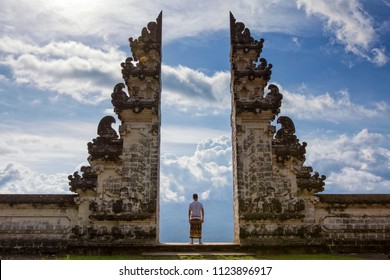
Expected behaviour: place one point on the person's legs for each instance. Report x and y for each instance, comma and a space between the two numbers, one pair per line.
192, 241
200, 241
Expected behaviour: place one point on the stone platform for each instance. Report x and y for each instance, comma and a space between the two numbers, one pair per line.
205, 249
225, 248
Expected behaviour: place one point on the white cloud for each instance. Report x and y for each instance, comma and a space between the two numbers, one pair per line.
359, 163
362, 150
207, 172
16, 178
351, 180
37, 145
195, 92
379, 56
86, 67
191, 90
176, 134
351, 25
205, 195
168, 192
69, 68
296, 41
89, 75
353, 164
329, 107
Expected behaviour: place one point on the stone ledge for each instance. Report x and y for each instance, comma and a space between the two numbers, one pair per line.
354, 198
122, 217
38, 198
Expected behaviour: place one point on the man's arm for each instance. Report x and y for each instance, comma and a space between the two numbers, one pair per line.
189, 215
202, 215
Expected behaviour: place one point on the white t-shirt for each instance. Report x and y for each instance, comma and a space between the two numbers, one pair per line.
196, 210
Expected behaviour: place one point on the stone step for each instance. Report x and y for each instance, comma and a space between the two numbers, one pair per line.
205, 247
197, 254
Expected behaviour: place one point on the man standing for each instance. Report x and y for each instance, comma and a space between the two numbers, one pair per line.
196, 219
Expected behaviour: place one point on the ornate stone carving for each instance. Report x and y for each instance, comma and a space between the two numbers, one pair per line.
127, 232
246, 52
112, 185
141, 73
135, 102
150, 38
119, 96
263, 231
308, 182
107, 145
286, 145
135, 169
146, 52
85, 182
127, 208
104, 128
241, 38
272, 102
262, 70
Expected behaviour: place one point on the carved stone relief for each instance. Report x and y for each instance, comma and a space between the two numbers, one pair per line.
107, 145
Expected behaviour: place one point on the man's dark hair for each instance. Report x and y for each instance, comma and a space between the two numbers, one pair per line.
195, 196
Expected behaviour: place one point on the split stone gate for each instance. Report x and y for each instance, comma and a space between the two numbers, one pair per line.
116, 200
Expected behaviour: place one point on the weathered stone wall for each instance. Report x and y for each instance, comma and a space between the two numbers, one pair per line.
354, 223
36, 221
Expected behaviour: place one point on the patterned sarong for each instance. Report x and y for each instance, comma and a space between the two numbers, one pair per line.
196, 229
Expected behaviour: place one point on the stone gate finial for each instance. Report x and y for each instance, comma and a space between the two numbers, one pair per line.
245, 52
146, 51
107, 146
141, 72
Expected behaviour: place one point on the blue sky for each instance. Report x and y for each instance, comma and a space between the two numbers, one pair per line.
59, 61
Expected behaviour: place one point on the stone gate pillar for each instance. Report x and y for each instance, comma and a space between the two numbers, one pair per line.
119, 192
273, 191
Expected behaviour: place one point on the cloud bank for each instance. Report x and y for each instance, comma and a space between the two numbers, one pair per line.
18, 179
330, 107
357, 163
36, 145
191, 90
67, 68
206, 172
